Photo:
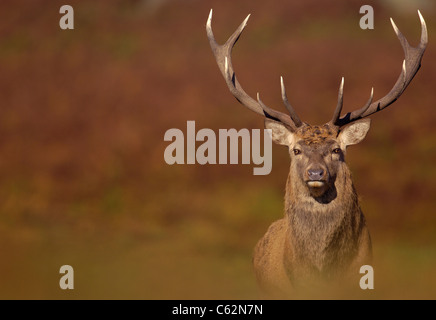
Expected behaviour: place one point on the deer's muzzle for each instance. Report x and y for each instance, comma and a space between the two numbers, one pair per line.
316, 178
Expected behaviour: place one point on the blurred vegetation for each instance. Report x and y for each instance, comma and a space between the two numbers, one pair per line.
82, 175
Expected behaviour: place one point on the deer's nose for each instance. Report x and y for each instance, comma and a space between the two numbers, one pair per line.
315, 174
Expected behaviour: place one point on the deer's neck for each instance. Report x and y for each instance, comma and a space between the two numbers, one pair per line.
323, 233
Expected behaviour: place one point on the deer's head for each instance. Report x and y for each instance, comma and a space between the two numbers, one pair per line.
317, 152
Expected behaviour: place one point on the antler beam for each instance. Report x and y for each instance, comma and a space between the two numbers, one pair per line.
223, 58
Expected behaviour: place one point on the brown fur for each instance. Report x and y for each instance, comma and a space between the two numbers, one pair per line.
322, 239
316, 134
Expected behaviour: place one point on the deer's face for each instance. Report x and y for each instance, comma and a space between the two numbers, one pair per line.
317, 152
316, 157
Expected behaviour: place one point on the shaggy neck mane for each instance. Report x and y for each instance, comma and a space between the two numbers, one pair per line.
323, 231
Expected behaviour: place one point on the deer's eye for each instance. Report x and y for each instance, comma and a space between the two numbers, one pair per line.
296, 151
337, 151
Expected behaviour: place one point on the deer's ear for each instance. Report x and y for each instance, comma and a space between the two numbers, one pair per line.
281, 134
354, 132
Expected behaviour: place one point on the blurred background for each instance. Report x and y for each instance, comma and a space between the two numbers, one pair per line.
83, 179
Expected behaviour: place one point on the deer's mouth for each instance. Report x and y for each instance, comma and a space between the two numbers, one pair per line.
316, 184
317, 188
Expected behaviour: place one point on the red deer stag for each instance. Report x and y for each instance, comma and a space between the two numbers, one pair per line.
323, 234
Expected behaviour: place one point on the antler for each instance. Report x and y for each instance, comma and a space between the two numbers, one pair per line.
411, 65
223, 58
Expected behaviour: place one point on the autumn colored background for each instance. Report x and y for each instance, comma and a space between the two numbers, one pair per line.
83, 114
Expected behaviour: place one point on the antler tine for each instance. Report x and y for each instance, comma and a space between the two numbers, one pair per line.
424, 34
223, 58
338, 109
288, 106
411, 65
368, 103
